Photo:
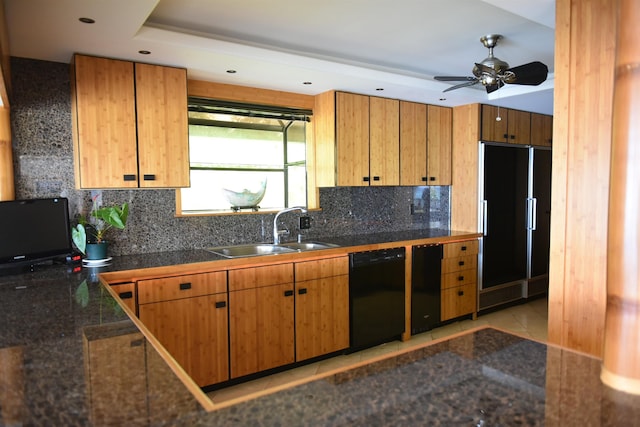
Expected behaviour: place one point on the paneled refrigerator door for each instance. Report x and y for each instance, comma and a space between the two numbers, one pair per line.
504, 196
540, 221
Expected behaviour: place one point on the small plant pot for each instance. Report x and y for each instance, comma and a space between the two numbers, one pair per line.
96, 250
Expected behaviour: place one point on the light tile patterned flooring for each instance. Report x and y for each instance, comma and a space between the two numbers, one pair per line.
528, 320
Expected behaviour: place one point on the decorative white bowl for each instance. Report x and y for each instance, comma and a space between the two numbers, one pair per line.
246, 198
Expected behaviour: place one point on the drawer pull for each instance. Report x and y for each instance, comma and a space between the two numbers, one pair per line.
461, 263
376, 178
424, 179
221, 304
288, 293
365, 178
149, 177
185, 286
464, 248
432, 178
302, 291
460, 278
136, 343
125, 295
460, 293
129, 177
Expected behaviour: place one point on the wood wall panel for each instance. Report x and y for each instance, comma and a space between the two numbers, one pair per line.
464, 189
7, 189
584, 61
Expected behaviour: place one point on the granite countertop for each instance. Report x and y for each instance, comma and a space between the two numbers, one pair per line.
70, 356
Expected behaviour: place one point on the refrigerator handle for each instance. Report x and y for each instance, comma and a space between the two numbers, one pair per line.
534, 213
485, 219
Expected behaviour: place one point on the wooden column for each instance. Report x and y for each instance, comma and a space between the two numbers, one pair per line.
621, 367
7, 191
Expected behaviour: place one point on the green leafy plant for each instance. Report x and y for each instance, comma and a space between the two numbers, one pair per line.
101, 219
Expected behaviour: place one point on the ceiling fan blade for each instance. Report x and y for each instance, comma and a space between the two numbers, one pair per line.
461, 85
485, 69
454, 78
532, 74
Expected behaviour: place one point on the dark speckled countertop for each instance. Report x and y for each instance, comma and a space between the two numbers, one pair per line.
70, 356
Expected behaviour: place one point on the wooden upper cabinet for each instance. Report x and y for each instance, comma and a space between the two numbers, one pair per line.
541, 130
103, 99
513, 127
163, 133
439, 141
384, 150
130, 124
352, 139
413, 143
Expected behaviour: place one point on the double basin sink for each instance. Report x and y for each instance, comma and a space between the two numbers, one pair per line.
257, 249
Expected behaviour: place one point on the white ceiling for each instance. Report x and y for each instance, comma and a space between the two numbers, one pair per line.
351, 45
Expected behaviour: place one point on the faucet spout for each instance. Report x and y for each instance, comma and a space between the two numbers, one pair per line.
276, 234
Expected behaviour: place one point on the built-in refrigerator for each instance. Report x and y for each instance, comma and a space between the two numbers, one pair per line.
515, 214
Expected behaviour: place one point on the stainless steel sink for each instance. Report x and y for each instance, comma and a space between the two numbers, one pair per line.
257, 249
308, 246
238, 251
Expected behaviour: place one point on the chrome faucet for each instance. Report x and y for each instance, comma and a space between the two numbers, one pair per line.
276, 234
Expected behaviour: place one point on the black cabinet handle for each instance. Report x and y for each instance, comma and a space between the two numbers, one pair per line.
129, 177
460, 278
460, 293
432, 178
512, 137
365, 178
376, 178
506, 136
136, 343
302, 291
221, 304
424, 178
149, 177
125, 295
464, 248
288, 293
461, 263
185, 286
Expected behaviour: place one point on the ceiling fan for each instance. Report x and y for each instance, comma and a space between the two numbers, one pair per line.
493, 73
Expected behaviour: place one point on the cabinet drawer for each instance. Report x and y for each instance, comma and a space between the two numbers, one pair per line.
127, 294
459, 278
256, 277
458, 301
170, 288
458, 249
310, 270
450, 265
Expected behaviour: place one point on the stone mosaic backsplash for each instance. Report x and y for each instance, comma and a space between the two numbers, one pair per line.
43, 160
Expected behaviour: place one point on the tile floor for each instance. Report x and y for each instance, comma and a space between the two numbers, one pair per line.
528, 319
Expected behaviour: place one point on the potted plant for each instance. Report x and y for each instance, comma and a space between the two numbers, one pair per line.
89, 235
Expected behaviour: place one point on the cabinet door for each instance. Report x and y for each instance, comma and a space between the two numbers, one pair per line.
352, 139
519, 127
492, 128
194, 331
103, 98
541, 130
261, 328
322, 307
127, 294
413, 143
163, 141
439, 140
384, 144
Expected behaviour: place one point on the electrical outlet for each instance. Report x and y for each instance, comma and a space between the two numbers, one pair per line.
305, 222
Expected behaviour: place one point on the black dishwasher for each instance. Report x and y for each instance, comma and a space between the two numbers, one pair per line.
376, 297
426, 264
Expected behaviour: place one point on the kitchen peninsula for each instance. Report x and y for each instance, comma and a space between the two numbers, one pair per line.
70, 356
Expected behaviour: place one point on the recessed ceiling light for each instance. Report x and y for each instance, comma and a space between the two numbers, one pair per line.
231, 71
144, 52
87, 20
306, 83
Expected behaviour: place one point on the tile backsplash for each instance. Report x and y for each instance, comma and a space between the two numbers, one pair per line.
43, 160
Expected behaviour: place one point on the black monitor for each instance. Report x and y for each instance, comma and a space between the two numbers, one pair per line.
35, 230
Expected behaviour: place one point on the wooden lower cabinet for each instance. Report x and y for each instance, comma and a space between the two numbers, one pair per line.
188, 315
458, 286
322, 307
261, 318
